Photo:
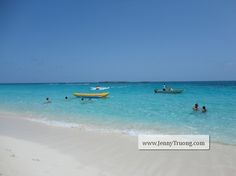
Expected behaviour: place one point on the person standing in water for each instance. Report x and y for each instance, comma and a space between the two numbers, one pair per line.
195, 107
164, 87
204, 109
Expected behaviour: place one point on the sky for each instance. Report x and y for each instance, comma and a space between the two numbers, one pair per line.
117, 40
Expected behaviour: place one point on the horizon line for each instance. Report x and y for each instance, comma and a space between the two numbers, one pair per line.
86, 82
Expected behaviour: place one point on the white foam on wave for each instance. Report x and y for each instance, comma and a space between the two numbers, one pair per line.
90, 128
55, 123
99, 129
133, 132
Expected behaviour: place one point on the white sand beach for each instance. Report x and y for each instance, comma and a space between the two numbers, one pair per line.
30, 148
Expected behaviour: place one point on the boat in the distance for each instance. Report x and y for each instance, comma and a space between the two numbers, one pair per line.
168, 91
99, 88
91, 95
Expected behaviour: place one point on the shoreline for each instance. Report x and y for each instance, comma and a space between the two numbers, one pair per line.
101, 153
87, 127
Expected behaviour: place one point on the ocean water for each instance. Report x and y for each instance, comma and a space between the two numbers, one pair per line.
131, 108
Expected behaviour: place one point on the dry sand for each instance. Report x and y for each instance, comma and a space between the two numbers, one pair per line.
30, 148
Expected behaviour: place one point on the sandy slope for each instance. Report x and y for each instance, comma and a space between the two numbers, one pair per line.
31, 148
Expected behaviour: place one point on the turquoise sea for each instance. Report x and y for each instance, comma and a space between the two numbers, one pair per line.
131, 108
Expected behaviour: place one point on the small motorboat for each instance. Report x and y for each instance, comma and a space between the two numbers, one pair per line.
99, 88
91, 95
168, 91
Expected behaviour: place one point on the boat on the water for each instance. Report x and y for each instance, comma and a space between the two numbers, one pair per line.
99, 88
91, 95
168, 91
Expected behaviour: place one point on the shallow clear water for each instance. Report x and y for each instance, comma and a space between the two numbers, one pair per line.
132, 107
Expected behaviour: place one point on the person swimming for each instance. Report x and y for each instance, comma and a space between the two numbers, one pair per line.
47, 101
195, 107
204, 109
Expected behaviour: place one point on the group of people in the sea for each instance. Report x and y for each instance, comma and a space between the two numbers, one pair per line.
66, 98
49, 101
196, 108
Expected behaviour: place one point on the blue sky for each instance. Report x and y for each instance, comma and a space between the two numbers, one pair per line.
117, 40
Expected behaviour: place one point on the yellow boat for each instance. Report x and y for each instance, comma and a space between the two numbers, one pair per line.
91, 95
